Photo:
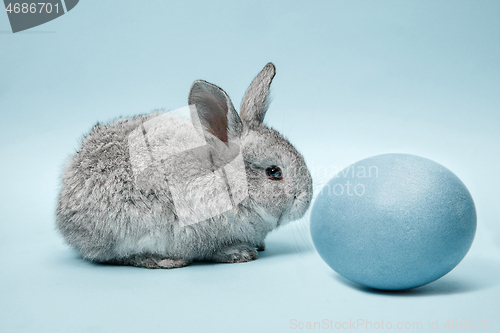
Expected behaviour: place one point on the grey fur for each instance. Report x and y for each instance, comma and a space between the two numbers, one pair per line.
256, 100
109, 215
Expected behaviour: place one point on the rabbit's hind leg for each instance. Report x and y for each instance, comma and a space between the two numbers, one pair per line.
149, 261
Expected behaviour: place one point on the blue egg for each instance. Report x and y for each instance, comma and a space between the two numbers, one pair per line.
393, 221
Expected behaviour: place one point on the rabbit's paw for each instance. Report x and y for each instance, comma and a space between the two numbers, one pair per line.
236, 253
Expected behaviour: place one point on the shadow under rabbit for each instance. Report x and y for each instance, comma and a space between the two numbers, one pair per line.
275, 248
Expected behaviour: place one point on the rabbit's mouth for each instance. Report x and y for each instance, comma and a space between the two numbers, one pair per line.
290, 214
299, 206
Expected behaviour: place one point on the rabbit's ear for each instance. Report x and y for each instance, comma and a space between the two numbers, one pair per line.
256, 101
215, 111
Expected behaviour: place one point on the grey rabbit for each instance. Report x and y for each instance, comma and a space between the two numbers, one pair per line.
159, 191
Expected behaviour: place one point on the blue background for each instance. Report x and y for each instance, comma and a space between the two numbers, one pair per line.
354, 79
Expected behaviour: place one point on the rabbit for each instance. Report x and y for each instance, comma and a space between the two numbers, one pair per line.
115, 213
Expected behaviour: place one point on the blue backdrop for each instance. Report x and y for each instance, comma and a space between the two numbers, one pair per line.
354, 79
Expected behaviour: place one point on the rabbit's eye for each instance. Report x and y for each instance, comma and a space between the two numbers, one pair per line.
274, 173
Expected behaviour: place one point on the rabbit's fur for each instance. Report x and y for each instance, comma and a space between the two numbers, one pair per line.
110, 215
